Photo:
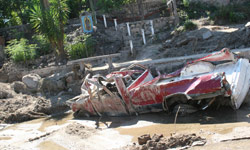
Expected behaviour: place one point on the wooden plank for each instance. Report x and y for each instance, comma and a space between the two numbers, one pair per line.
94, 58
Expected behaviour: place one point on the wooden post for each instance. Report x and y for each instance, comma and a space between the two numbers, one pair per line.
93, 11
173, 7
82, 66
110, 64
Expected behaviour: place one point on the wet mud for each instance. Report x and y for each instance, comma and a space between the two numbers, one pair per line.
118, 132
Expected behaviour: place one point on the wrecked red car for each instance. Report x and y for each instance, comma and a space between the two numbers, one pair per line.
217, 78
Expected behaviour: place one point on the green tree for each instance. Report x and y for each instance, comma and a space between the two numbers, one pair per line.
15, 12
49, 19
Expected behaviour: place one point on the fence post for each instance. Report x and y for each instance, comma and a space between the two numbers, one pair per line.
115, 21
143, 36
105, 22
129, 34
131, 47
152, 27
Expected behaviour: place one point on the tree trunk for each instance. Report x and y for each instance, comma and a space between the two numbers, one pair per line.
140, 8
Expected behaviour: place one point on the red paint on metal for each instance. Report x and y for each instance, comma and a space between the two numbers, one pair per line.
224, 54
153, 94
139, 80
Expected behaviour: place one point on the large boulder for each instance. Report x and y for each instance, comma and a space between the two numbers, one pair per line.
54, 83
32, 81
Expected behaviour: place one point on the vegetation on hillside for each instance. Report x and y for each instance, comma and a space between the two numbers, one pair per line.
49, 17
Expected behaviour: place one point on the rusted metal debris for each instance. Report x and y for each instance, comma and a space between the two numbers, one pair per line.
134, 90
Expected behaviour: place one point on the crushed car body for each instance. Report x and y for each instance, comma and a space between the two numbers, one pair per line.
220, 76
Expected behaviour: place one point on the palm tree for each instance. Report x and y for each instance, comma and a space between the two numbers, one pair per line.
49, 19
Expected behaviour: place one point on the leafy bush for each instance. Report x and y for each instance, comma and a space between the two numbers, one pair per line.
21, 50
44, 46
195, 10
82, 48
230, 13
233, 13
186, 3
189, 25
109, 5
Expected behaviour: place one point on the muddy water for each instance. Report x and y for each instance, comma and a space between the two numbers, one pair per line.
168, 129
50, 145
204, 123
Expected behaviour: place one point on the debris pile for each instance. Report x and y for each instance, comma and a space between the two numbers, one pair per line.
206, 39
20, 107
159, 142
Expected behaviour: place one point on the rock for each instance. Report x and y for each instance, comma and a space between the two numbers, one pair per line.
19, 87
143, 139
31, 81
69, 79
151, 143
156, 137
206, 35
6, 91
54, 83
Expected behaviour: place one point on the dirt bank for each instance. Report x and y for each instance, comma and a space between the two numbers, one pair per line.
20, 107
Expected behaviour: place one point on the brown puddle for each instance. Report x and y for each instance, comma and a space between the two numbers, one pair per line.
46, 122
5, 138
54, 121
50, 145
167, 129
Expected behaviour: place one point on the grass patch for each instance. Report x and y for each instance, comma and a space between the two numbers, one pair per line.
21, 50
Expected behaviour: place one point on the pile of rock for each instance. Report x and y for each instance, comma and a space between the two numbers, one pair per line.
159, 142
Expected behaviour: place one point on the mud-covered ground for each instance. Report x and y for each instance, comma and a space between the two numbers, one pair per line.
16, 107
224, 128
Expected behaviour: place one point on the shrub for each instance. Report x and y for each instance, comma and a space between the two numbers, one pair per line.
44, 46
21, 50
110, 5
82, 48
186, 3
189, 25
233, 13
